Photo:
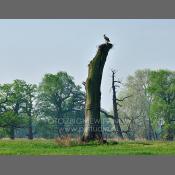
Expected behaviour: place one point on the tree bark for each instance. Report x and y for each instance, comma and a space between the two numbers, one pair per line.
115, 108
150, 131
12, 132
29, 113
92, 128
30, 129
12, 128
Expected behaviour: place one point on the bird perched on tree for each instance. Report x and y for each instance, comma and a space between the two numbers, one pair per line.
84, 83
106, 39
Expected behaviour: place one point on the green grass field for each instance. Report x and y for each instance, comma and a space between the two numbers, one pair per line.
50, 147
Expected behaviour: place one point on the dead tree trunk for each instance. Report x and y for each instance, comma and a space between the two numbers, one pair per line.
115, 108
92, 128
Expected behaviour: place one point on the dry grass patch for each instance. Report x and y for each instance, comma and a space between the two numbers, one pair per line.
68, 141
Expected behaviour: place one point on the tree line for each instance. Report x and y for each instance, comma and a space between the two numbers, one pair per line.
150, 111
143, 107
28, 110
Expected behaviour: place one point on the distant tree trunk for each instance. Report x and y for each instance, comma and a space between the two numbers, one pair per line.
60, 123
148, 128
29, 113
60, 127
150, 131
170, 133
12, 132
30, 134
115, 108
12, 128
92, 128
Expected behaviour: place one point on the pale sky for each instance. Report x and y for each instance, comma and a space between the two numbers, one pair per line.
31, 48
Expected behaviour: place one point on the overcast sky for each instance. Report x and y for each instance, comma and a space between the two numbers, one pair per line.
31, 48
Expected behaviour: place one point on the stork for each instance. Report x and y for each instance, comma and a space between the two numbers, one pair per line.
106, 39
84, 83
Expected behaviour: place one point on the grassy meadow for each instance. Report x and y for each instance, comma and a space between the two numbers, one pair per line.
51, 147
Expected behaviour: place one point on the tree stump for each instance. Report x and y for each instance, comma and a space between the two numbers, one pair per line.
93, 129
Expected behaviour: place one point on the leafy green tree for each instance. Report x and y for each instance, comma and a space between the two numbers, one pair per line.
58, 97
30, 97
134, 112
14, 99
15, 105
162, 88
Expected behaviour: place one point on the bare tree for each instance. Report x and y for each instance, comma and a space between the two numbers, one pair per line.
115, 84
